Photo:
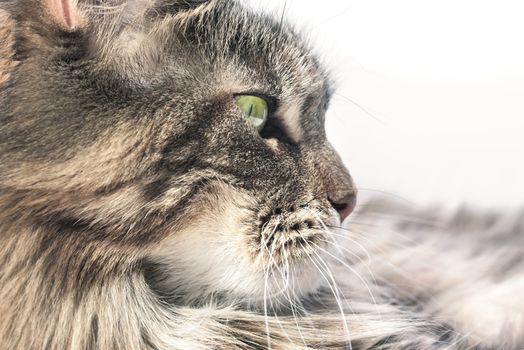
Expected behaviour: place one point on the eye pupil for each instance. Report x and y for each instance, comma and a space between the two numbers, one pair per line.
255, 109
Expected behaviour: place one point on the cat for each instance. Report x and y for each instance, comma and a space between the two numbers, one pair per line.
166, 183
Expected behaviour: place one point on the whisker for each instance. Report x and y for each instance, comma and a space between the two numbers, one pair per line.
329, 231
359, 106
386, 193
353, 271
266, 277
298, 303
360, 260
347, 265
271, 296
382, 255
334, 290
274, 314
364, 236
288, 295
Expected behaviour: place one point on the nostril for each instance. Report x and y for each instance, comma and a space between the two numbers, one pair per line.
345, 205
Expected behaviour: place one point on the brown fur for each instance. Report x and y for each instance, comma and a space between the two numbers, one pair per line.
140, 210
7, 63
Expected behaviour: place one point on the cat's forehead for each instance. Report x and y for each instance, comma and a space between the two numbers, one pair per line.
235, 45
229, 48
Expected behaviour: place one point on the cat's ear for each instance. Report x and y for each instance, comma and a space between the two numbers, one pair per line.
121, 30
116, 32
64, 13
68, 15
44, 14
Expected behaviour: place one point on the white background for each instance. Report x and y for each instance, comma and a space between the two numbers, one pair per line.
430, 101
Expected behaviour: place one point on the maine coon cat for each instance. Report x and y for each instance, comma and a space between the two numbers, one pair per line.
166, 183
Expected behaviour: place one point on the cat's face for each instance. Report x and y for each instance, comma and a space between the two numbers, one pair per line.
127, 132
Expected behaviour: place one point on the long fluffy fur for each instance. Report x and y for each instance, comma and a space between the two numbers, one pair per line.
415, 281
96, 234
7, 61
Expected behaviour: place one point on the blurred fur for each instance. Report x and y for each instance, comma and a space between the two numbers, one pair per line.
138, 209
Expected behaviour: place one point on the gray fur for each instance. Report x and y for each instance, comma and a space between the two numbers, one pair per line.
140, 210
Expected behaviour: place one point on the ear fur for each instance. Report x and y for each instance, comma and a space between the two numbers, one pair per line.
63, 12
115, 34
122, 33
103, 18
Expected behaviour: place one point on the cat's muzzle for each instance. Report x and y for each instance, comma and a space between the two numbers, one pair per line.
293, 233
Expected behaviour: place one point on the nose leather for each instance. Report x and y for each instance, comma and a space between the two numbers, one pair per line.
344, 205
337, 183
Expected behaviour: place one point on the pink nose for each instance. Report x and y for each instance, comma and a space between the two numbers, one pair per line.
344, 205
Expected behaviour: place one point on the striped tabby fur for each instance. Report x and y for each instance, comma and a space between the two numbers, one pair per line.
138, 209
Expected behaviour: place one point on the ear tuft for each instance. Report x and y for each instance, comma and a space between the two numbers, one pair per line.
64, 13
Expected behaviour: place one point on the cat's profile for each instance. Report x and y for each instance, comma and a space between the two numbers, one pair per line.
166, 183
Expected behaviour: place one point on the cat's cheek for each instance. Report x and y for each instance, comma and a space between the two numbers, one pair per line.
276, 146
219, 253
209, 253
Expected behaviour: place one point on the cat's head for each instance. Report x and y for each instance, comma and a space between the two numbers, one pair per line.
184, 136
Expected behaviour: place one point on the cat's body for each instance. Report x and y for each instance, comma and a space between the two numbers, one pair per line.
139, 209
461, 270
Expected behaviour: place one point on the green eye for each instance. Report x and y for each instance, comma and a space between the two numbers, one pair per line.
255, 109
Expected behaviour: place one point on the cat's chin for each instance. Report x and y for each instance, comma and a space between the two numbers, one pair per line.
195, 274
278, 289
227, 255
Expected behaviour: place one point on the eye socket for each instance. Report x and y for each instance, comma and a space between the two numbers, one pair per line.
255, 108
